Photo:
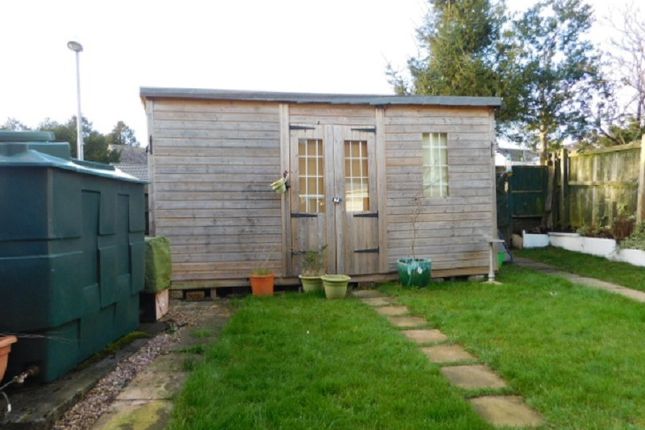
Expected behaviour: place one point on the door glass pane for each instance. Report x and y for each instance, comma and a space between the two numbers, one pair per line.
311, 183
356, 176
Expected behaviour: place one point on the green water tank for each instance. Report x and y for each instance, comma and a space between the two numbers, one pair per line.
71, 253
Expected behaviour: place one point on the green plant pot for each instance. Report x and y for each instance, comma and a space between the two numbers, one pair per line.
414, 272
335, 285
311, 283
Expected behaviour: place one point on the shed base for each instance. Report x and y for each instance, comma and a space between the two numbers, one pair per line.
239, 286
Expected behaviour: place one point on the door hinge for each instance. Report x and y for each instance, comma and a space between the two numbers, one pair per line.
302, 215
301, 127
367, 129
366, 215
367, 251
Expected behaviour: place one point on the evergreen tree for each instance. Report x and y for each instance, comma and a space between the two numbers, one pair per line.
95, 145
121, 134
541, 65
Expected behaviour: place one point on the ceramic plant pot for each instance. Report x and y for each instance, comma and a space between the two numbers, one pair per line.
335, 285
310, 283
414, 272
262, 285
5, 349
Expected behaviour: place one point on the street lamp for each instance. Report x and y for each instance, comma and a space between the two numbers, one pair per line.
77, 47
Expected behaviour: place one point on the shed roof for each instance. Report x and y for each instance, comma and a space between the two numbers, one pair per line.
357, 99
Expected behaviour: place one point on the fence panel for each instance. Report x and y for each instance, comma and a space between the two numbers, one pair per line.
603, 185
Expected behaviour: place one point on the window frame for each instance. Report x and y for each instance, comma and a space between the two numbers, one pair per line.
434, 148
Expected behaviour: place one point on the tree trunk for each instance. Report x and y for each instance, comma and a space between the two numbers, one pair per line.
543, 148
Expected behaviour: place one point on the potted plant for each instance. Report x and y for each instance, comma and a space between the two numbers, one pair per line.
262, 282
313, 264
414, 272
335, 285
5, 349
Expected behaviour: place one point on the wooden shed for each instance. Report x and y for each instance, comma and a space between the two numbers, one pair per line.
368, 174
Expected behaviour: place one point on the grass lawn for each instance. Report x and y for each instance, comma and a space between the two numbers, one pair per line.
298, 361
576, 354
588, 265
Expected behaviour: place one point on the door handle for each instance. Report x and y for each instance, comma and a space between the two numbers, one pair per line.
336, 200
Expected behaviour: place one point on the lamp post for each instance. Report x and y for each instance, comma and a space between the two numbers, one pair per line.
77, 48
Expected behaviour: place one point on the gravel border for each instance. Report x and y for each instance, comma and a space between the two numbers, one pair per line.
84, 414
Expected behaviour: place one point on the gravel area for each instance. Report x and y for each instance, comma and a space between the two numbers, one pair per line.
85, 413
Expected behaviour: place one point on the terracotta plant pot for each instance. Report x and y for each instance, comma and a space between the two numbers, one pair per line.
311, 283
262, 285
335, 285
5, 349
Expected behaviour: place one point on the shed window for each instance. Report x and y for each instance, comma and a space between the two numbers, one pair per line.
357, 193
311, 166
435, 164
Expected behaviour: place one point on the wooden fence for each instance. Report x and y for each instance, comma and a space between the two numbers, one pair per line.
602, 186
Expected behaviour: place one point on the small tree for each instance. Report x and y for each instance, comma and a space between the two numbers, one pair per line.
561, 73
313, 262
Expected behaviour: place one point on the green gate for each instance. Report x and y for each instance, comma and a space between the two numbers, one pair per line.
521, 196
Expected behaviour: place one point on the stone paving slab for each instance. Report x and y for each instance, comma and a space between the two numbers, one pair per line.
425, 336
146, 403
378, 301
365, 294
135, 415
392, 310
473, 377
447, 354
407, 322
506, 411
149, 385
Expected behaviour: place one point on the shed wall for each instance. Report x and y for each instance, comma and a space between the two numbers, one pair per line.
452, 230
213, 163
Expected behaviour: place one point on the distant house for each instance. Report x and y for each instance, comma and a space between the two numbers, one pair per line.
517, 157
134, 160
362, 169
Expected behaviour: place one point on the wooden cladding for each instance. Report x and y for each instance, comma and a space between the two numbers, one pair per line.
355, 174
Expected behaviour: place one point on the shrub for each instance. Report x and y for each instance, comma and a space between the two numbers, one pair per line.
637, 239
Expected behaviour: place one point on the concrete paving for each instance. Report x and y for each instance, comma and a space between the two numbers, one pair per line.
392, 311
473, 377
506, 411
407, 322
38, 406
378, 301
639, 296
146, 403
424, 336
442, 354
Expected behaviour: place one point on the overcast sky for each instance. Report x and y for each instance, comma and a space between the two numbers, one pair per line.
274, 45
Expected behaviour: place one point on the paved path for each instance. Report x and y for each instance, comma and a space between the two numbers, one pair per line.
146, 403
459, 366
639, 296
